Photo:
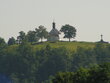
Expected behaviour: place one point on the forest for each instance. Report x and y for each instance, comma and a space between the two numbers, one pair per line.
29, 60
32, 63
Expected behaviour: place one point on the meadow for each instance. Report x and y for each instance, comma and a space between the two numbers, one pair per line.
71, 46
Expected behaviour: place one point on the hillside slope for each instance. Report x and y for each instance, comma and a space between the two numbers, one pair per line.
71, 46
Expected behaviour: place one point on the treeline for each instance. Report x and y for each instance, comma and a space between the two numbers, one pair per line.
34, 36
23, 63
39, 34
96, 74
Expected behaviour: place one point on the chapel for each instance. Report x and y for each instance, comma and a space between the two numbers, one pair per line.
53, 34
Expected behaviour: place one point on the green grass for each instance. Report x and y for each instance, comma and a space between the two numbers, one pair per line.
71, 46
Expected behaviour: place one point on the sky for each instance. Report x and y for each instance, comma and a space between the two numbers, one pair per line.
90, 17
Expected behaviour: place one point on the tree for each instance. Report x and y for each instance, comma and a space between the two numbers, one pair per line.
21, 36
69, 31
2, 41
52, 61
95, 74
11, 41
100, 74
41, 32
28, 62
83, 57
63, 77
31, 36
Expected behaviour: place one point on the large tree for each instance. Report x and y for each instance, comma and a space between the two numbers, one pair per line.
41, 32
69, 31
32, 37
11, 41
2, 41
21, 37
95, 74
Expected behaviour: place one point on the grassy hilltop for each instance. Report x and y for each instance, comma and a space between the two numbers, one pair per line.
71, 46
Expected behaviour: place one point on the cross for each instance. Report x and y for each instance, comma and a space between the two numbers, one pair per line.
101, 36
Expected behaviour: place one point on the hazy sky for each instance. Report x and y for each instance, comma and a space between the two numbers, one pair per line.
90, 17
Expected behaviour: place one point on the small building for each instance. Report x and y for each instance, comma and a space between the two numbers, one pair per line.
53, 34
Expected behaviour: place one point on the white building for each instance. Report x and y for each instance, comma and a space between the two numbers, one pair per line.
53, 34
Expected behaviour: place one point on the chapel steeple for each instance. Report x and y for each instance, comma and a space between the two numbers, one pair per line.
53, 25
54, 33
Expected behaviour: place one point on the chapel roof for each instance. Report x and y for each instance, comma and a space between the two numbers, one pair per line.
54, 31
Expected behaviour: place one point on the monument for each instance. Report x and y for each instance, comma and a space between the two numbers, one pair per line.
102, 41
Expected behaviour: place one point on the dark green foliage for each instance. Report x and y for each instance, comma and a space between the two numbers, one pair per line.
83, 58
96, 74
11, 41
53, 61
2, 41
26, 64
32, 37
100, 74
81, 76
63, 77
41, 32
20, 63
102, 52
69, 31
21, 37
2, 44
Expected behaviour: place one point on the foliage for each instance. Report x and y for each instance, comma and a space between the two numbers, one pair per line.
2, 41
28, 63
63, 77
32, 37
11, 41
70, 46
41, 32
53, 61
69, 31
2, 44
83, 57
21, 37
31, 61
97, 74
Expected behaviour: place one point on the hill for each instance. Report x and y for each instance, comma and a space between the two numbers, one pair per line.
71, 46
36, 62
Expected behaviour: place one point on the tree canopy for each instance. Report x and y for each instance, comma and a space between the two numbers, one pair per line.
41, 32
21, 37
32, 37
11, 41
69, 31
95, 74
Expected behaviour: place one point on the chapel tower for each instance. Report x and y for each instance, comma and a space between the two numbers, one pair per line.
53, 34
